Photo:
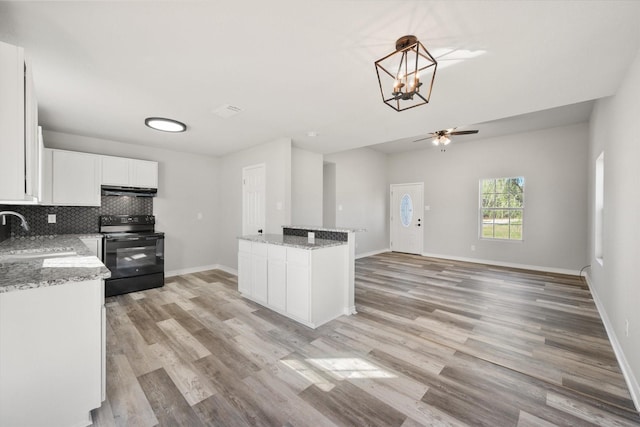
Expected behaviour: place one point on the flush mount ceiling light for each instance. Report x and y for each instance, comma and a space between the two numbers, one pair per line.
402, 73
165, 125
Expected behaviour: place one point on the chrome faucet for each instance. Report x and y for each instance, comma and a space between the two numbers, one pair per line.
24, 224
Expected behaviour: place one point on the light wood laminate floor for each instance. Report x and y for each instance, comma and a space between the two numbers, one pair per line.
435, 342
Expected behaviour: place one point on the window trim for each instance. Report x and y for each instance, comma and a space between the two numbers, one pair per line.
480, 209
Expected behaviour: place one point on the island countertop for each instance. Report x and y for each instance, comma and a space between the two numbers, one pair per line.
291, 241
47, 271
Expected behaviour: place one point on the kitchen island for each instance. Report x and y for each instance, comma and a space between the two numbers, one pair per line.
304, 280
52, 331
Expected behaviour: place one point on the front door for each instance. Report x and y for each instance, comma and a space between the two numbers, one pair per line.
253, 199
406, 218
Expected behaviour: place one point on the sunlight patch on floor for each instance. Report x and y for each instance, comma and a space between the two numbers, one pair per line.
340, 368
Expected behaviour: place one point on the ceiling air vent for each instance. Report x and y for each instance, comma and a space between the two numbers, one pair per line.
227, 111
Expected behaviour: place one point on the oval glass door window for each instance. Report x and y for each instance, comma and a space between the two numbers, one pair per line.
406, 210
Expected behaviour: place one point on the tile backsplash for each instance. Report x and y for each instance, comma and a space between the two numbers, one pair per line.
71, 219
320, 234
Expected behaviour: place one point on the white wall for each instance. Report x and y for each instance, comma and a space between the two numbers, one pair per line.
276, 156
329, 195
362, 190
553, 163
306, 187
615, 129
187, 186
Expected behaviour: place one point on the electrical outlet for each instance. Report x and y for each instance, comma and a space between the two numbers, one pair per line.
626, 327
51, 218
473, 247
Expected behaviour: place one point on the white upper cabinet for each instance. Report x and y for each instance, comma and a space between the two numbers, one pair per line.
71, 178
144, 173
115, 170
19, 168
129, 172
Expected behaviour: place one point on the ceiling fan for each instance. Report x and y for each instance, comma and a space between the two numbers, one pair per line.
443, 137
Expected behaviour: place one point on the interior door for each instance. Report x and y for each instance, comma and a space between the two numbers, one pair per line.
406, 218
253, 199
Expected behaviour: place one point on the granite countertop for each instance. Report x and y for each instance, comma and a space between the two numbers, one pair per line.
79, 265
316, 228
292, 241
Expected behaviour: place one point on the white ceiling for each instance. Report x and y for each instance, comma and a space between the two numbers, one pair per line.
298, 66
543, 119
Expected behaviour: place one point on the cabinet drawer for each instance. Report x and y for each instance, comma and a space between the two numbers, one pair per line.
259, 249
244, 246
277, 252
298, 256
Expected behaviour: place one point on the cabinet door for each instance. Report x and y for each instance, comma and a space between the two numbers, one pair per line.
259, 272
144, 174
55, 351
12, 124
115, 170
75, 179
277, 269
244, 273
298, 284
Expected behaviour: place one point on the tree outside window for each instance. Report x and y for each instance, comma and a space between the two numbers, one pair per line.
501, 208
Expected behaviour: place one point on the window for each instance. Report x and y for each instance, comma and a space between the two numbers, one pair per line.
501, 208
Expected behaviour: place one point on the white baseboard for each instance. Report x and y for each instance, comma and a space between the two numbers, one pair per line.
200, 268
629, 377
506, 264
372, 253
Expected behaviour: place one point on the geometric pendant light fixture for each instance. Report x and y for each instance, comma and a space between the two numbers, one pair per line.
406, 75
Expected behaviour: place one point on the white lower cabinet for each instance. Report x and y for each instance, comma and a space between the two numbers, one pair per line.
277, 277
52, 354
244, 265
94, 244
309, 286
259, 272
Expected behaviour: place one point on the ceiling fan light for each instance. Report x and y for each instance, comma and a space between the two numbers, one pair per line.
165, 125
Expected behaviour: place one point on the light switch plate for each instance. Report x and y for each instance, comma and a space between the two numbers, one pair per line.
51, 218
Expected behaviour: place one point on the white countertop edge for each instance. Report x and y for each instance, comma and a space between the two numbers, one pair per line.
291, 241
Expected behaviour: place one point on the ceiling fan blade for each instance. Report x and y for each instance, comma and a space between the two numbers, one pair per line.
463, 132
422, 139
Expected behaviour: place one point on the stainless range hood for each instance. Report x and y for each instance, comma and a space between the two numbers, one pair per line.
113, 190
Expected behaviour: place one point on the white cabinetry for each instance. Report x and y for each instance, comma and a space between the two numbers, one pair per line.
71, 178
51, 354
129, 172
309, 286
244, 265
277, 277
94, 244
259, 272
19, 167
298, 283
